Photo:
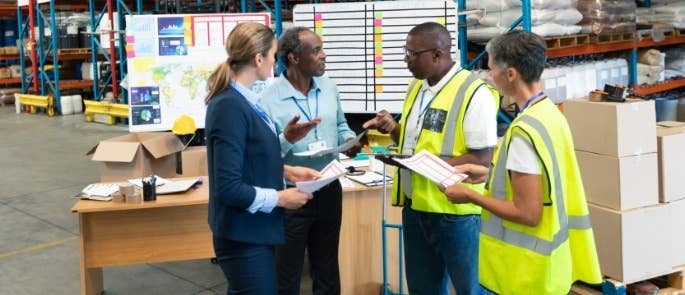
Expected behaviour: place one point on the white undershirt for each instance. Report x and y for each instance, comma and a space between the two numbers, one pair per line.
479, 133
522, 156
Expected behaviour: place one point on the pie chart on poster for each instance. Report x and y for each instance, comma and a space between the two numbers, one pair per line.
145, 115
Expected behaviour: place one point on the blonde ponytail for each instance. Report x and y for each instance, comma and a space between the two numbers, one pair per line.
218, 81
243, 43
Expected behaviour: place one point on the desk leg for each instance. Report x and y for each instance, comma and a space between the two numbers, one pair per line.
91, 278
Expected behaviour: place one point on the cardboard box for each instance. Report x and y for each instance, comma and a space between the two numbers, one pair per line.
194, 161
620, 183
633, 245
677, 226
671, 146
137, 155
615, 129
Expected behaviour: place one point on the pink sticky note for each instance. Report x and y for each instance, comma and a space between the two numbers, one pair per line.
378, 22
130, 39
318, 16
130, 54
379, 59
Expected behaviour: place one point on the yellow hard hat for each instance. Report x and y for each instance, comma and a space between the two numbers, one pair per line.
184, 125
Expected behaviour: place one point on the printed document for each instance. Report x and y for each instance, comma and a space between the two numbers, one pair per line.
330, 173
432, 167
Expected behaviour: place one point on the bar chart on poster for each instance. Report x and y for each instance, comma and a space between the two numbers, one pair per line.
170, 58
364, 43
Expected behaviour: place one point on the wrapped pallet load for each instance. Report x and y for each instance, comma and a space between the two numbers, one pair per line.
605, 17
548, 18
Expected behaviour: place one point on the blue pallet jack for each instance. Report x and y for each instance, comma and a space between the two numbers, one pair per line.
385, 226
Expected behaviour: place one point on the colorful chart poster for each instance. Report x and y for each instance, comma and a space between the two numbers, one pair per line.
364, 46
170, 58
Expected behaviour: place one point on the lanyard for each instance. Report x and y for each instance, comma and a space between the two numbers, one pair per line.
422, 108
308, 115
531, 99
264, 116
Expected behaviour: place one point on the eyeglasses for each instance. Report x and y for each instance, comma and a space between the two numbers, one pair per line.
410, 53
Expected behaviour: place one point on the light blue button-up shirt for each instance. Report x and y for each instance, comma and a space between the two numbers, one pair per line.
265, 198
282, 101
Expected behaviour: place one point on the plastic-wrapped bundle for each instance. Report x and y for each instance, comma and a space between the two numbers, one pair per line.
552, 29
567, 16
492, 5
607, 16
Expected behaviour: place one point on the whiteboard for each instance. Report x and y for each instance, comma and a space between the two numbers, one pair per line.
364, 46
170, 58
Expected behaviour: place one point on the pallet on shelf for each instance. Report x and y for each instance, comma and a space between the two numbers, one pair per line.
611, 38
679, 32
657, 35
567, 41
73, 50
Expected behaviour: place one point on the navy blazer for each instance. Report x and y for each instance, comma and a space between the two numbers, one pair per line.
242, 152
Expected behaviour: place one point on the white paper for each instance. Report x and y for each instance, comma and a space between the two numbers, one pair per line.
370, 179
139, 182
177, 186
330, 173
433, 168
337, 149
99, 191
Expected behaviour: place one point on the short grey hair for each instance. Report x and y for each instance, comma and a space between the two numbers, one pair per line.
290, 42
524, 51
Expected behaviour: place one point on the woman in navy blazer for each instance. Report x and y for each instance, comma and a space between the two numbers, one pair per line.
246, 171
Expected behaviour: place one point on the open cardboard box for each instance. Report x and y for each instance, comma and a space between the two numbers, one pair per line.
136, 155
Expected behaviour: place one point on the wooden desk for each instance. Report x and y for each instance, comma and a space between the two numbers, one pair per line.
174, 227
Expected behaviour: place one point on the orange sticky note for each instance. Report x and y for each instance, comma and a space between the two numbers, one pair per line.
379, 73
379, 88
377, 38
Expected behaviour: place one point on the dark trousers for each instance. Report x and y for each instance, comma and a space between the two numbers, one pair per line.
316, 227
249, 268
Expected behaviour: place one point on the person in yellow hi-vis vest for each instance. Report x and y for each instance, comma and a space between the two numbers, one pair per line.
536, 236
450, 112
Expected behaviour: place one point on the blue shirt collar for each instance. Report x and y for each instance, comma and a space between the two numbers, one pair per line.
288, 91
251, 97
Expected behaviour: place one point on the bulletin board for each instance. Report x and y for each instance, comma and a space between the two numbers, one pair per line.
364, 46
170, 58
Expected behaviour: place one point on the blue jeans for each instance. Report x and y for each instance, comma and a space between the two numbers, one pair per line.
440, 248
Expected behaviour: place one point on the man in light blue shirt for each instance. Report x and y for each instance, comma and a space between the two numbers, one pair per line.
302, 91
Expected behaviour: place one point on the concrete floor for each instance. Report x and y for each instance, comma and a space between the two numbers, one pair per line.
42, 165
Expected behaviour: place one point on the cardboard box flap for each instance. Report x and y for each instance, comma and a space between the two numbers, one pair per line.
669, 124
115, 151
666, 128
162, 144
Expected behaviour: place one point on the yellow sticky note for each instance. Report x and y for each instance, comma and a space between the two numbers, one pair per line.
440, 20
379, 73
142, 64
187, 31
318, 24
379, 88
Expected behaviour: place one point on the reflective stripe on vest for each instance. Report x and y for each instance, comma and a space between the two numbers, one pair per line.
451, 126
494, 226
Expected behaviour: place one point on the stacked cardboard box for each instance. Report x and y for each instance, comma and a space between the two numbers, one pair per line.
616, 148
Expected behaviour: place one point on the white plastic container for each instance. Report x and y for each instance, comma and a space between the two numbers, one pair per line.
66, 105
623, 71
602, 69
77, 103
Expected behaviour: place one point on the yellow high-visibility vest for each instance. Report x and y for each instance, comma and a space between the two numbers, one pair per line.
442, 134
547, 258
